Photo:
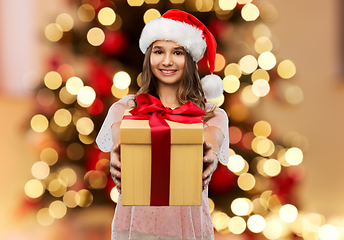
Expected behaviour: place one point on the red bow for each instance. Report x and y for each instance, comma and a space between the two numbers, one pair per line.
150, 108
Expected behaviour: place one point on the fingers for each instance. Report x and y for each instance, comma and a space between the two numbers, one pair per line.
206, 147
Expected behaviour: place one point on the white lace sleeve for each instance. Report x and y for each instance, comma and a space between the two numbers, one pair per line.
115, 114
220, 120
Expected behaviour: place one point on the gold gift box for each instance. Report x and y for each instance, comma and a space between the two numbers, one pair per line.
186, 163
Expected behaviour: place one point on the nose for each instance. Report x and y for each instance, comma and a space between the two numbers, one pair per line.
167, 61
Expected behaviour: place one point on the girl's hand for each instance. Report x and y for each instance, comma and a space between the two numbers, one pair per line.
210, 162
115, 166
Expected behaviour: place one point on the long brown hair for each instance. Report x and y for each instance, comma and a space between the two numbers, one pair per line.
189, 87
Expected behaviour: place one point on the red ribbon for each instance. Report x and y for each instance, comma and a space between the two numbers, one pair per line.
150, 108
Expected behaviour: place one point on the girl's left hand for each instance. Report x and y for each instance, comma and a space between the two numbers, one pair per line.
210, 162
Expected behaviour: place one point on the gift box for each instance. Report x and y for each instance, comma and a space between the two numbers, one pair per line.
185, 170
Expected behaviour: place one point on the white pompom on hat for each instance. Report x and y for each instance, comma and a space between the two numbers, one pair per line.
187, 31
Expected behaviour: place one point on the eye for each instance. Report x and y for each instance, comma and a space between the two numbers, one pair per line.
178, 53
158, 52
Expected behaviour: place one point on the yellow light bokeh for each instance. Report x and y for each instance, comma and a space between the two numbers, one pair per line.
241, 206
293, 95
135, 3
260, 74
40, 170
272, 167
95, 36
250, 12
70, 199
49, 155
248, 64
263, 44
288, 213
327, 232
86, 96
57, 188
294, 156
248, 97
34, 188
220, 62
114, 194
57, 209
262, 128
260, 87
119, 93
44, 218
237, 225
177, 1
66, 97
226, 5
211, 205
236, 163
62, 117
106, 16
84, 198
204, 5
261, 30
233, 69
220, 220
86, 139
86, 13
217, 101
73, 85
231, 84
267, 60
52, 80
68, 176
151, 14
152, 1
39, 123
286, 69
85, 126
75, 151
246, 181
53, 32
244, 1
256, 223
121, 80
273, 230
65, 21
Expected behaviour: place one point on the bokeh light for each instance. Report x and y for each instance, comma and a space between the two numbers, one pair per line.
267, 60
95, 36
294, 156
44, 217
69, 199
204, 5
263, 44
248, 64
53, 32
39, 123
220, 62
262, 128
114, 194
260, 87
237, 225
62, 117
34, 188
65, 21
273, 230
86, 96
236, 163
256, 223
151, 14
260, 74
106, 16
288, 213
86, 13
246, 181
121, 80
52, 80
49, 155
231, 84
85, 126
250, 12
84, 198
220, 220
119, 93
227, 4
57, 209
73, 85
217, 101
286, 69
241, 206
135, 3
40, 170
233, 69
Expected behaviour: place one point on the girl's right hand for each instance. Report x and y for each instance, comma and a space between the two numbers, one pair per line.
115, 165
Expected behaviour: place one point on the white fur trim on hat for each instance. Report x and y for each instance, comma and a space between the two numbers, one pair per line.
185, 35
212, 86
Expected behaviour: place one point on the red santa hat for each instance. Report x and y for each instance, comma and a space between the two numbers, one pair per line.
187, 31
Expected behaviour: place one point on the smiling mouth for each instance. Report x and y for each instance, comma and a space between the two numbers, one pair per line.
168, 71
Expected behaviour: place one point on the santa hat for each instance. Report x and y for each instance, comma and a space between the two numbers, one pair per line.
187, 31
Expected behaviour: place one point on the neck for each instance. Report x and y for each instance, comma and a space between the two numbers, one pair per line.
168, 95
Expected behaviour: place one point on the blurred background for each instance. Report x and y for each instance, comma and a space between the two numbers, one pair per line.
64, 62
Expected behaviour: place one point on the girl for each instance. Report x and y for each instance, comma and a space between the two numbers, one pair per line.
172, 45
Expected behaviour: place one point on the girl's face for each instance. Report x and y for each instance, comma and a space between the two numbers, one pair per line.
167, 62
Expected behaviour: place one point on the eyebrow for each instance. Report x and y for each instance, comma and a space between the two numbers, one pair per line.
176, 48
